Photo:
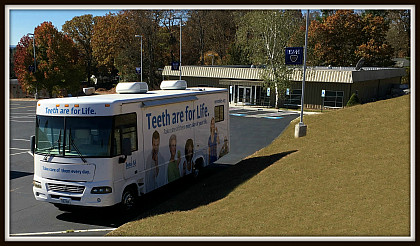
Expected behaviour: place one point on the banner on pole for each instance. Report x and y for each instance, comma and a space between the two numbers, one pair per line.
138, 70
294, 55
175, 65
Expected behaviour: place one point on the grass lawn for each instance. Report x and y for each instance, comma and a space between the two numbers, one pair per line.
350, 176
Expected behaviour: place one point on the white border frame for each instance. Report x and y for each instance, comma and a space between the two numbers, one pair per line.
178, 7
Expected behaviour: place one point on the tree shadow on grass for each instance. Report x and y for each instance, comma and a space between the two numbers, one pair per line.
215, 182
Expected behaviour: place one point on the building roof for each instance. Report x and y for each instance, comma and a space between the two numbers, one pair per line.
221, 72
313, 74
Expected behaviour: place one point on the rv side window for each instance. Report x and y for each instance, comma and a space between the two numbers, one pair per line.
125, 126
219, 113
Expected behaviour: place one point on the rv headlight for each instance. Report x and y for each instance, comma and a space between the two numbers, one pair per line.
101, 190
37, 184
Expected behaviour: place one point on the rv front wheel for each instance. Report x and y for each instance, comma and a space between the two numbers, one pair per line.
128, 200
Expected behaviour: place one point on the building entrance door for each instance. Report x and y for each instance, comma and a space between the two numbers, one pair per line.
244, 95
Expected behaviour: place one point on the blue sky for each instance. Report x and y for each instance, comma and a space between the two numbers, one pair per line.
24, 19
22, 22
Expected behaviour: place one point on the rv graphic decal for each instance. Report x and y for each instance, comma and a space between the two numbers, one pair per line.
64, 170
130, 164
71, 111
165, 119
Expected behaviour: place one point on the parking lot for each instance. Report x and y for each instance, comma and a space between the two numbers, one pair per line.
251, 129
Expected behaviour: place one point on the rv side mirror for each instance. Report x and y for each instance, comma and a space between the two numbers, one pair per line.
32, 144
125, 150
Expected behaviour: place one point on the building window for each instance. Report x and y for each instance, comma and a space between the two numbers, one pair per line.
333, 99
219, 113
294, 98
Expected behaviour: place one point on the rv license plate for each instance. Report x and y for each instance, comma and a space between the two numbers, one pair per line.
65, 200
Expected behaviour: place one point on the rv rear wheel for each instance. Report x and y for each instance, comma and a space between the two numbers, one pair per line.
197, 167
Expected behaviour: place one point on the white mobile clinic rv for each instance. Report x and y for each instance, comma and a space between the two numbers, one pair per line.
103, 150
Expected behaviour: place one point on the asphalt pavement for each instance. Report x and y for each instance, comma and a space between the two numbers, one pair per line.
253, 128
250, 129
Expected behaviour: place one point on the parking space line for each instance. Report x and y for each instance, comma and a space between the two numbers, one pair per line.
18, 139
19, 149
21, 117
21, 121
20, 153
24, 107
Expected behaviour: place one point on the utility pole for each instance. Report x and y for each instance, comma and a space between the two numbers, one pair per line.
141, 56
300, 128
36, 82
180, 45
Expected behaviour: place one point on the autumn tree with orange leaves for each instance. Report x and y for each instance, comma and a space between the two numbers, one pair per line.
375, 49
344, 37
335, 39
117, 49
57, 61
23, 60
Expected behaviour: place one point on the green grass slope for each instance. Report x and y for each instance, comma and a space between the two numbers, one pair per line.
350, 176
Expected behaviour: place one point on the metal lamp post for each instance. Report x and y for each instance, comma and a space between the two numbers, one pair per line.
180, 44
304, 66
300, 128
36, 86
141, 56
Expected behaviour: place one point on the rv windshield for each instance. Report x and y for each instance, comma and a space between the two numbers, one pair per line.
73, 136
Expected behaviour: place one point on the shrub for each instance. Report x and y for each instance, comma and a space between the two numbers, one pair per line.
354, 100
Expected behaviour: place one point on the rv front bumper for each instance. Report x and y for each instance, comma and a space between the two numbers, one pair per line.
73, 193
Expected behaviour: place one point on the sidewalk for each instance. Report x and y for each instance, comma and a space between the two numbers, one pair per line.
234, 106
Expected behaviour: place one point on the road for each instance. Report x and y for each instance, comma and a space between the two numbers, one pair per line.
251, 130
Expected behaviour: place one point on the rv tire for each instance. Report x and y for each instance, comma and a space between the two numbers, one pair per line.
128, 201
197, 168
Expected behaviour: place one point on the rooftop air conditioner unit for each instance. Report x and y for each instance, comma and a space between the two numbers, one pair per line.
173, 85
89, 90
132, 87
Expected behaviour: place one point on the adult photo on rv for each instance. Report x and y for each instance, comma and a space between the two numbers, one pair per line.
173, 165
188, 165
155, 172
213, 141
